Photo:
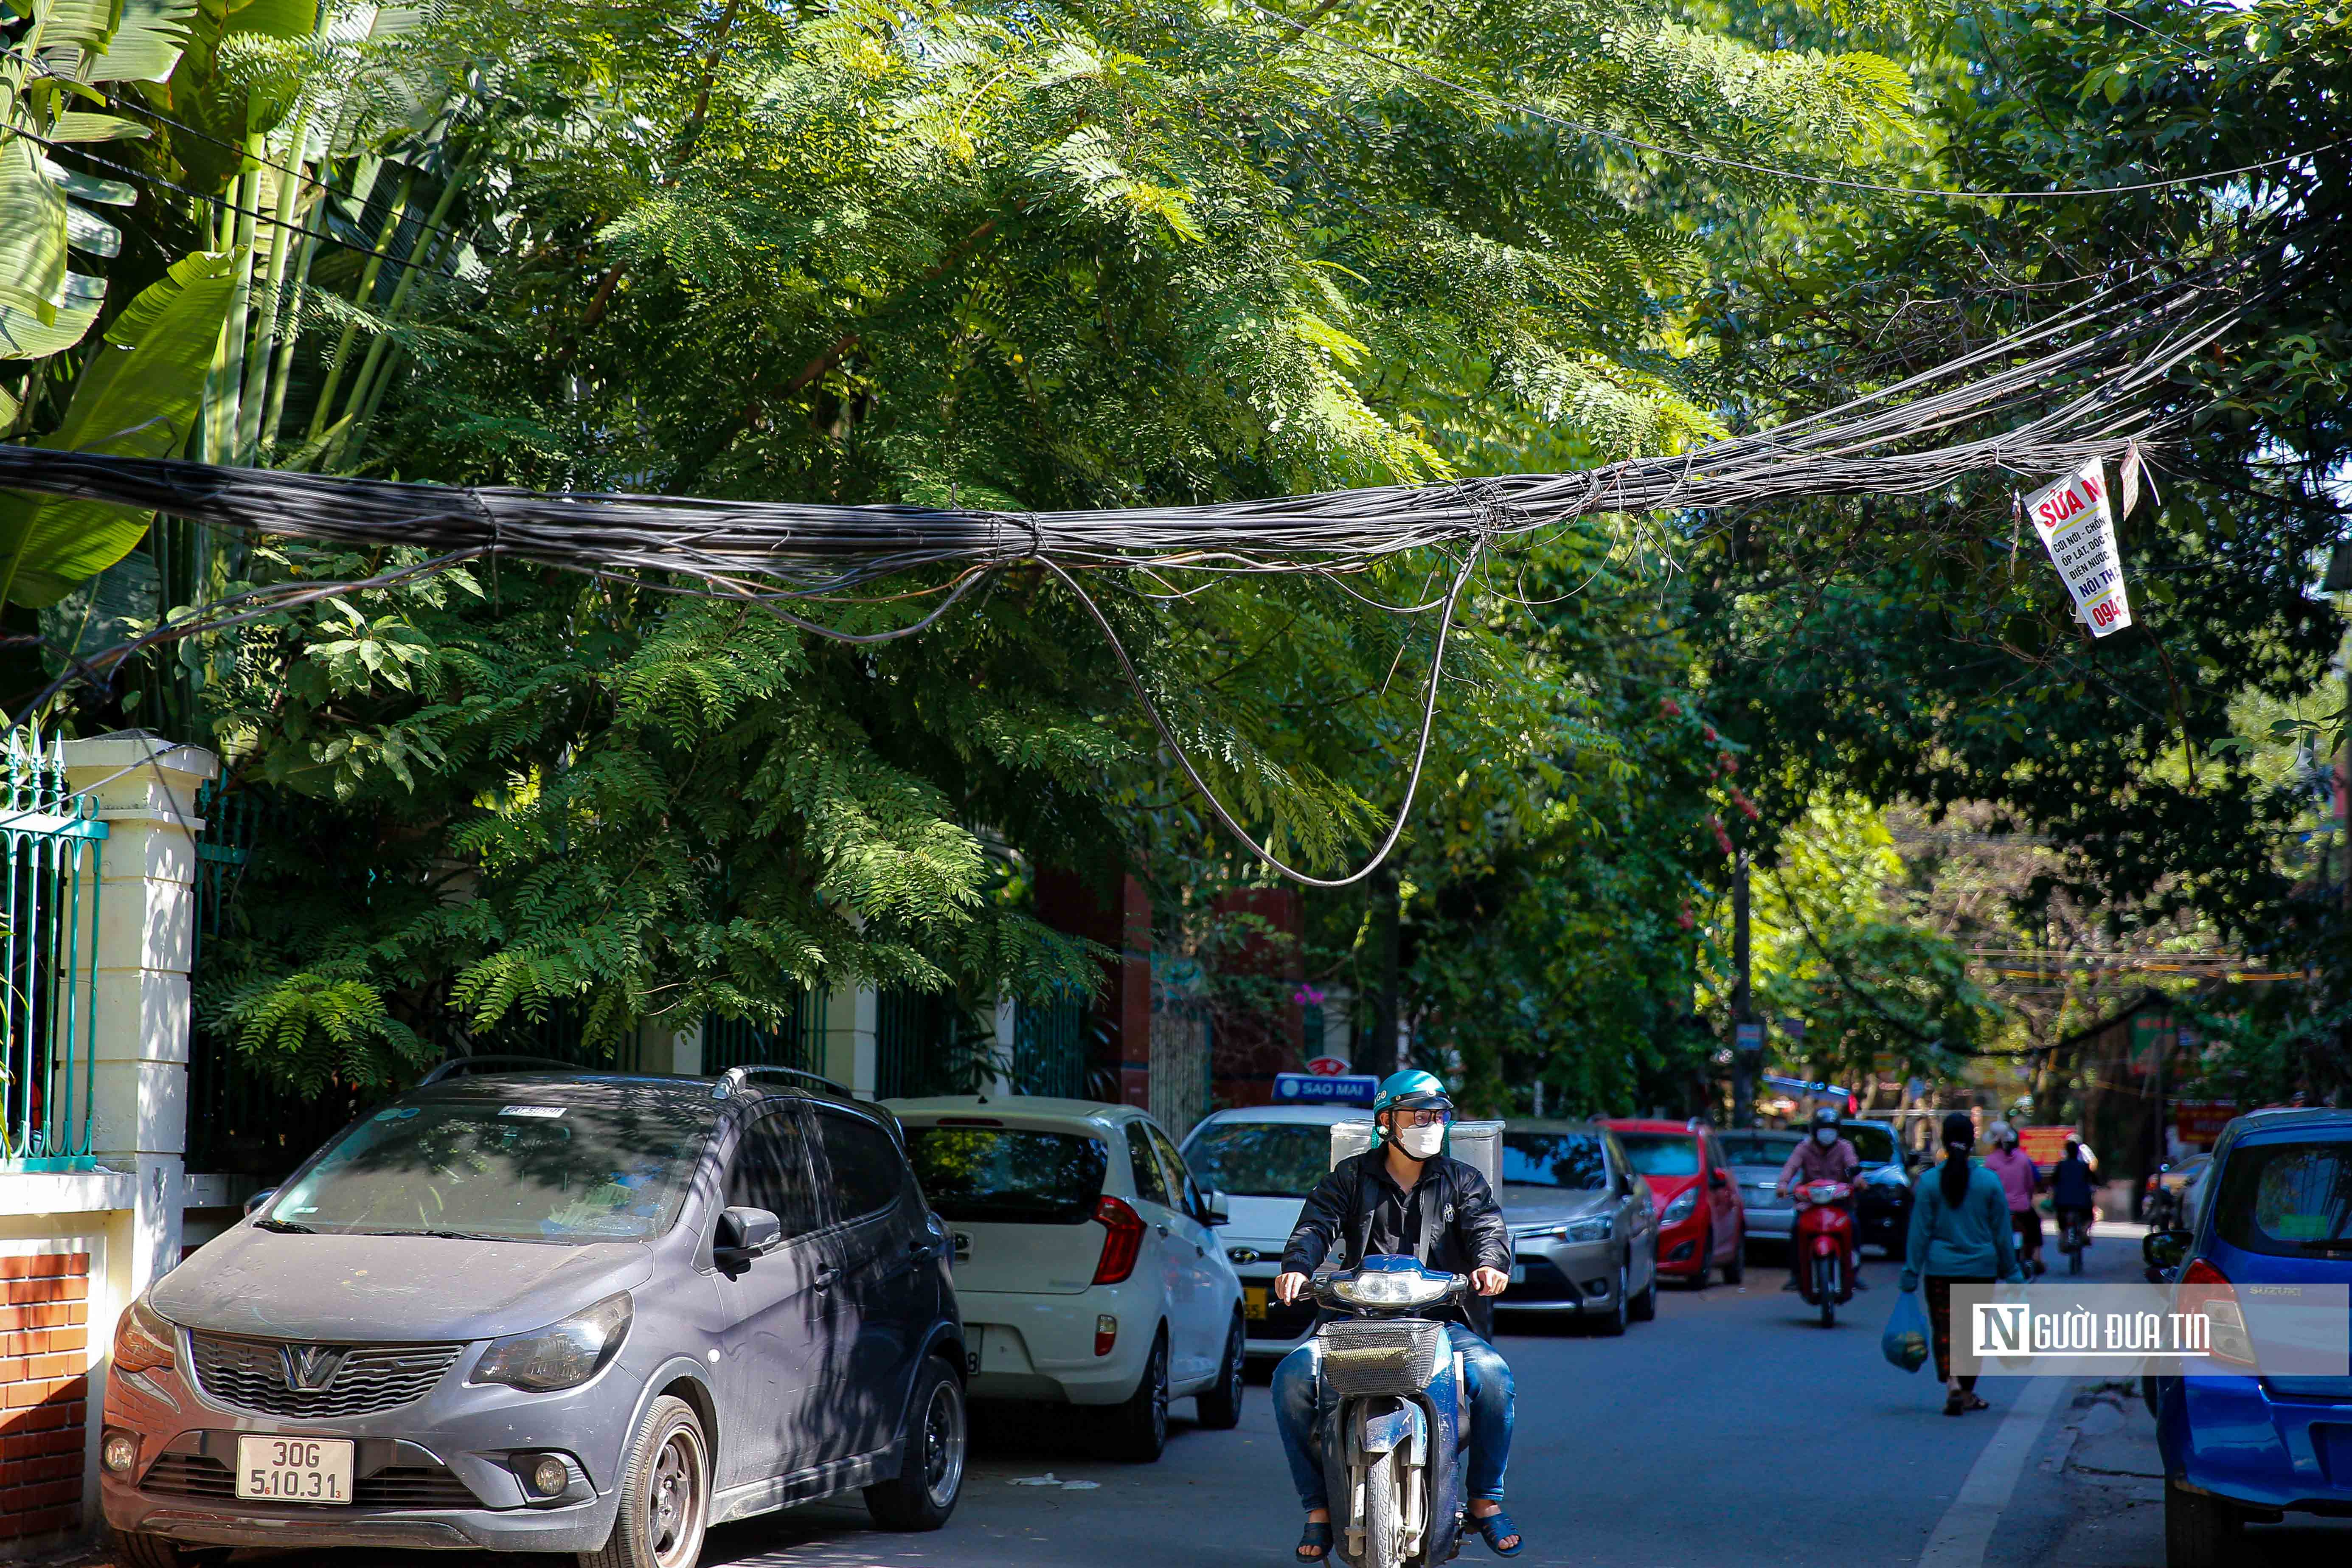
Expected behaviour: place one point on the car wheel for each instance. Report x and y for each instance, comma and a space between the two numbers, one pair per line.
1645, 1305
1219, 1408
1706, 1260
1614, 1323
2199, 1531
1735, 1268
931, 1475
1139, 1427
665, 1494
135, 1551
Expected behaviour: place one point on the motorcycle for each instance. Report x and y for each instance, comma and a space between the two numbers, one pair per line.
1395, 1424
1824, 1239
2071, 1238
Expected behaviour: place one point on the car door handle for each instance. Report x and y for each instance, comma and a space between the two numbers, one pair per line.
825, 1278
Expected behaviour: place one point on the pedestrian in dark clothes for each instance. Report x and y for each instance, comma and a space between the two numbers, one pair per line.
1960, 1235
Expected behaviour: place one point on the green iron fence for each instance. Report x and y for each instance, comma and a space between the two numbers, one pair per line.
1049, 1048
48, 989
738, 1042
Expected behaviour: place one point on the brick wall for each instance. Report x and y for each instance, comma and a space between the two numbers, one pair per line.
44, 1393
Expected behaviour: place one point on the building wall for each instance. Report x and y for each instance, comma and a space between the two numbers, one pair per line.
44, 1398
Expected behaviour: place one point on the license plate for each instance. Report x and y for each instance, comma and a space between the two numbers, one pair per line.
1253, 1300
1518, 1273
294, 1470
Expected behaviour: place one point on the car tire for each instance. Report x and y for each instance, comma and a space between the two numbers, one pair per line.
930, 1474
1706, 1260
1219, 1407
665, 1494
1645, 1306
1614, 1324
1139, 1425
1735, 1268
134, 1549
2199, 1531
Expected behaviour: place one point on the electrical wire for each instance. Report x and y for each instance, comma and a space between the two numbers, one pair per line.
1583, 129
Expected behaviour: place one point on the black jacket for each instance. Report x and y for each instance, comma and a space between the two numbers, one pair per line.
1460, 1224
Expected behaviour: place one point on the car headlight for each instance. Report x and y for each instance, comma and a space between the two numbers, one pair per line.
560, 1355
1389, 1289
1680, 1209
1599, 1228
143, 1340
1539, 1233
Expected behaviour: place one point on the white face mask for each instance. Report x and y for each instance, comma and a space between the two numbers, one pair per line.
1420, 1142
1825, 1136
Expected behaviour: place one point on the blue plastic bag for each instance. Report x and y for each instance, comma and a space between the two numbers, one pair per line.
1904, 1342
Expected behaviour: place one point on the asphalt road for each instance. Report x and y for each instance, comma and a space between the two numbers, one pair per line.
1732, 1431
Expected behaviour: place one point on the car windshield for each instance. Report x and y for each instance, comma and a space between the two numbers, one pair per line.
1874, 1145
1260, 1159
515, 1168
2289, 1200
1759, 1148
1572, 1160
1661, 1154
1015, 1176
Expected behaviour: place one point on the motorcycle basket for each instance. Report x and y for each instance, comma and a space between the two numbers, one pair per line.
1395, 1356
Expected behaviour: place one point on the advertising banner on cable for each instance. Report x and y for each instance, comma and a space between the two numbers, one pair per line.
2079, 532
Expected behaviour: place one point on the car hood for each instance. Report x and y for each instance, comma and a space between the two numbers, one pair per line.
353, 1288
1524, 1206
1264, 1223
1665, 1189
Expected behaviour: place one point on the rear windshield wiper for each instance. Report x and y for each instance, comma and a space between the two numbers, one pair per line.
2335, 1244
284, 1227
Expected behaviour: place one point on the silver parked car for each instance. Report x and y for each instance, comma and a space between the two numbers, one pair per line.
1585, 1229
1756, 1158
1263, 1160
550, 1311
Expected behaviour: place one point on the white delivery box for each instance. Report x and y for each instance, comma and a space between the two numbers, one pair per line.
1475, 1143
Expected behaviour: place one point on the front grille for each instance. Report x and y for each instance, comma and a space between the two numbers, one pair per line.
1544, 1282
189, 1475
396, 1486
1367, 1356
250, 1375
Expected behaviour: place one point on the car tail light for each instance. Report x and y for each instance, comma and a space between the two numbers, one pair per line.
1123, 1243
2205, 1288
1106, 1334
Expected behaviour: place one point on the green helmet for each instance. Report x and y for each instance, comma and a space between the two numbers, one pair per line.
1410, 1090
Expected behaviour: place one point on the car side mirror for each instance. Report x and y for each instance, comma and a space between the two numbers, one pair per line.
743, 1234
2166, 1249
253, 1203
1716, 1178
1214, 1210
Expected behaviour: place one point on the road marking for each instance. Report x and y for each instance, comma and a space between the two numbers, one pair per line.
1966, 1527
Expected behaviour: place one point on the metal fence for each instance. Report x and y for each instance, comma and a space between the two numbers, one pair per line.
49, 987
1049, 1048
738, 1042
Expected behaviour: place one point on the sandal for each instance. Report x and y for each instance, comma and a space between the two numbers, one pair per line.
1497, 1528
1953, 1402
1316, 1535
1975, 1401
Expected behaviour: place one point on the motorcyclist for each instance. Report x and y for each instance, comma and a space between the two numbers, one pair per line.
1403, 1196
2020, 1179
1825, 1155
2069, 1190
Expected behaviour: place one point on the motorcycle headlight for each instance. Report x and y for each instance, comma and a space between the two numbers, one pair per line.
143, 1340
1389, 1289
560, 1355
1681, 1209
1599, 1228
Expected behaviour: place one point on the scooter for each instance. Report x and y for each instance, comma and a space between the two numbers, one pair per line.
1395, 1424
1824, 1240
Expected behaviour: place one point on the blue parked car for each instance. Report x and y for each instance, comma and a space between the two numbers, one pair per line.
2277, 1209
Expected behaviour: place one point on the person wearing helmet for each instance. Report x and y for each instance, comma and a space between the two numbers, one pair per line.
1827, 1154
2021, 1178
1403, 1197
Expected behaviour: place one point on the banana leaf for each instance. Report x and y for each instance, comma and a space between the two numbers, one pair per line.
139, 396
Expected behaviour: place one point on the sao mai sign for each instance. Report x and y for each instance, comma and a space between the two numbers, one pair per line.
2078, 530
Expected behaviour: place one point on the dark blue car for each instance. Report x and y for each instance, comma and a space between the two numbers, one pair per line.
2277, 1209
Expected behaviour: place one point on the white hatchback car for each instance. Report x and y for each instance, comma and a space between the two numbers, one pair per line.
1086, 1260
1263, 1161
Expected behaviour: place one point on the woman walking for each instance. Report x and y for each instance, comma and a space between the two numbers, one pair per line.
1959, 1236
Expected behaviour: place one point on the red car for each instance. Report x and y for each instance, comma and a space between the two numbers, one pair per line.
1700, 1223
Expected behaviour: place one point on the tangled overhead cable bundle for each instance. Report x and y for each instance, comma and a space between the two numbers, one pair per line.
2079, 386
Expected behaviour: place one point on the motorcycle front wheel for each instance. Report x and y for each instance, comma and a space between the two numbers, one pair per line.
1825, 1289
1383, 1514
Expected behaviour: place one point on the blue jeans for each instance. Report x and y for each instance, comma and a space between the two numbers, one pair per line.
1488, 1396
